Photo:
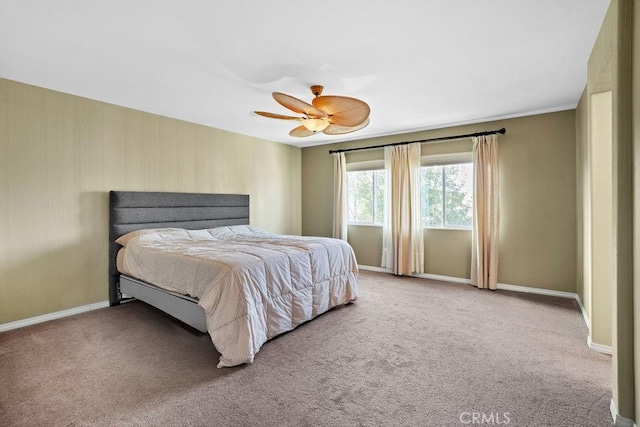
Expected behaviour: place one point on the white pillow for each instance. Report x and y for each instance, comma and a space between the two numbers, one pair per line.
124, 239
234, 230
199, 234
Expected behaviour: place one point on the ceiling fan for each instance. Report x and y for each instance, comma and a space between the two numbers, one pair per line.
330, 114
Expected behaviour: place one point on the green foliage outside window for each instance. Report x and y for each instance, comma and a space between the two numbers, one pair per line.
446, 196
365, 197
431, 196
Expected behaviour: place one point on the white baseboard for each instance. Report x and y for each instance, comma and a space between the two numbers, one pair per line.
584, 312
619, 420
537, 291
51, 316
420, 275
516, 288
376, 269
443, 278
600, 348
503, 286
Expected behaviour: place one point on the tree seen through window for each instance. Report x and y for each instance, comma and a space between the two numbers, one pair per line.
446, 196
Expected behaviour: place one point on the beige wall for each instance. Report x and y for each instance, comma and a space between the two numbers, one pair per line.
447, 252
61, 155
635, 109
583, 224
601, 220
610, 69
594, 214
537, 173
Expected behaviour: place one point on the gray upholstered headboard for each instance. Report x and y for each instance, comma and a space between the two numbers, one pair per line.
137, 210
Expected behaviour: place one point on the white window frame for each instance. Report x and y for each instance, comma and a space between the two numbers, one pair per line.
366, 166
427, 160
446, 160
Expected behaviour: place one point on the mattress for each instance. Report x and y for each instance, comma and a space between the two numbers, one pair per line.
251, 284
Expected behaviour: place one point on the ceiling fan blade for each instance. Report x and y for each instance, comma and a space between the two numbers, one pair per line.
294, 104
301, 132
277, 116
343, 110
334, 129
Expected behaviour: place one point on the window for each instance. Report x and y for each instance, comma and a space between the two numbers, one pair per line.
447, 195
446, 191
365, 197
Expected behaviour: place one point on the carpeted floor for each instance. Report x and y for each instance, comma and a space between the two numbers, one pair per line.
410, 352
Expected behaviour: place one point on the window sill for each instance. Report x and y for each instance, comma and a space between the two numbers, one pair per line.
448, 228
363, 224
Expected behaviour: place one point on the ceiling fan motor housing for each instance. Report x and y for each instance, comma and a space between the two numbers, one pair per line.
317, 90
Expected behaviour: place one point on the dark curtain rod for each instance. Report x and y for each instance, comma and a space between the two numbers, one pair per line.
442, 138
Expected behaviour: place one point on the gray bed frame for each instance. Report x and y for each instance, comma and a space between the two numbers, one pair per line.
137, 210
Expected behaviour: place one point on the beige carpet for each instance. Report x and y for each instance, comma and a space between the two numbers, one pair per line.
410, 352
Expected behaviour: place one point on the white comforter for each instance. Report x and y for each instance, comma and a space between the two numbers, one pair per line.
251, 284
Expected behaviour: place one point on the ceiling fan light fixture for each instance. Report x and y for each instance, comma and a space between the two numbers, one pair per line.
329, 114
315, 125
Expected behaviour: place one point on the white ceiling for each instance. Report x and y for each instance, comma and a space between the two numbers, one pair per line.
419, 64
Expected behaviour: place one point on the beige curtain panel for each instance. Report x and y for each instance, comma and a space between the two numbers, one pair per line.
339, 196
486, 213
403, 244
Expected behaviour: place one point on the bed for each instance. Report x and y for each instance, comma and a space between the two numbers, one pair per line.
196, 257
